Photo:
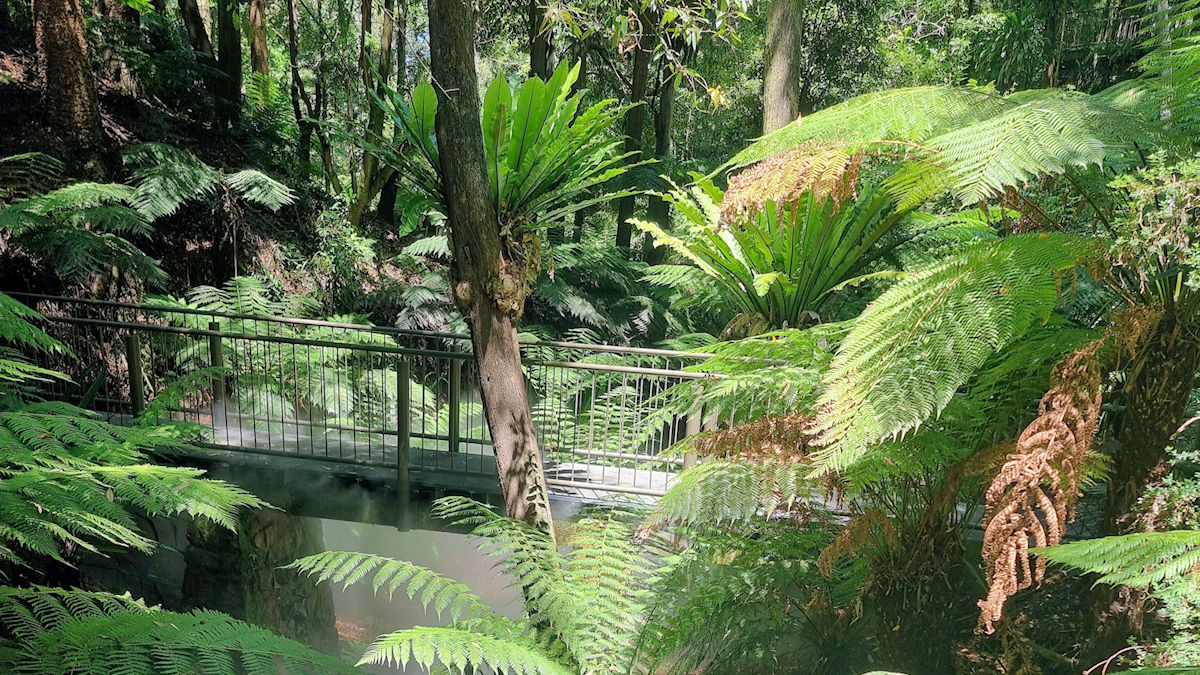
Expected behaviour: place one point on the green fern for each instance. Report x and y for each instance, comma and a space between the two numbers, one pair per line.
1167, 562
155, 641
80, 230
970, 143
166, 177
923, 338
584, 604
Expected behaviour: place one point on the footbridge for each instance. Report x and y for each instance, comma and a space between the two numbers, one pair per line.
360, 398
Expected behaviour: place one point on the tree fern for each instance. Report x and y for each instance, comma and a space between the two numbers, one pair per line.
918, 342
970, 143
449, 598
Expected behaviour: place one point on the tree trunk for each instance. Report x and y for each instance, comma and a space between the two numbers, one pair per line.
634, 120
373, 175
487, 285
229, 63
781, 73
541, 47
258, 37
386, 209
304, 126
193, 23
659, 211
116, 71
69, 87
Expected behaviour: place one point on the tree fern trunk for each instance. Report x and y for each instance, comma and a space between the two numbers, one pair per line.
659, 211
487, 284
1155, 398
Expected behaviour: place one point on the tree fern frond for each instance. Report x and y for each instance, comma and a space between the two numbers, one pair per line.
27, 173
138, 640
166, 177
918, 343
1167, 562
448, 597
460, 650
728, 492
259, 188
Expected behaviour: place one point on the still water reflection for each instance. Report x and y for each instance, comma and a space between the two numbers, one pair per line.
198, 565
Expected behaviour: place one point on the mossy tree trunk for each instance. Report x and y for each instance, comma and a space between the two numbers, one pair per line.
489, 285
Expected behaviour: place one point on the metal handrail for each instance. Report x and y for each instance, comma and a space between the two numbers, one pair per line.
370, 328
573, 426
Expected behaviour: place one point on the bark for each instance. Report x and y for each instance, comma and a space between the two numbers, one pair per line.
193, 23
229, 63
69, 87
258, 37
781, 74
541, 45
488, 285
635, 119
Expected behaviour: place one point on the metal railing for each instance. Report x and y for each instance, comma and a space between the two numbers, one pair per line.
372, 396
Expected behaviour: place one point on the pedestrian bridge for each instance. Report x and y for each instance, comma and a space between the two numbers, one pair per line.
359, 397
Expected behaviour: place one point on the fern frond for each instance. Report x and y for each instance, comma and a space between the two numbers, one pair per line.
166, 177
1166, 562
923, 338
259, 188
729, 492
138, 640
449, 598
461, 650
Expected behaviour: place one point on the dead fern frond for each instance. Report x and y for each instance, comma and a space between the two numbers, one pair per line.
1033, 496
784, 178
782, 438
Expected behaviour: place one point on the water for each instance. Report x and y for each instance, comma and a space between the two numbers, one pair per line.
198, 565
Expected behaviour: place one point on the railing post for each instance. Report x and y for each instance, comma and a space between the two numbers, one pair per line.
692, 428
455, 401
133, 357
216, 359
403, 439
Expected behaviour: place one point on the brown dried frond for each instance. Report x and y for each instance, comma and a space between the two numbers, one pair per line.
1033, 496
780, 439
858, 531
786, 177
